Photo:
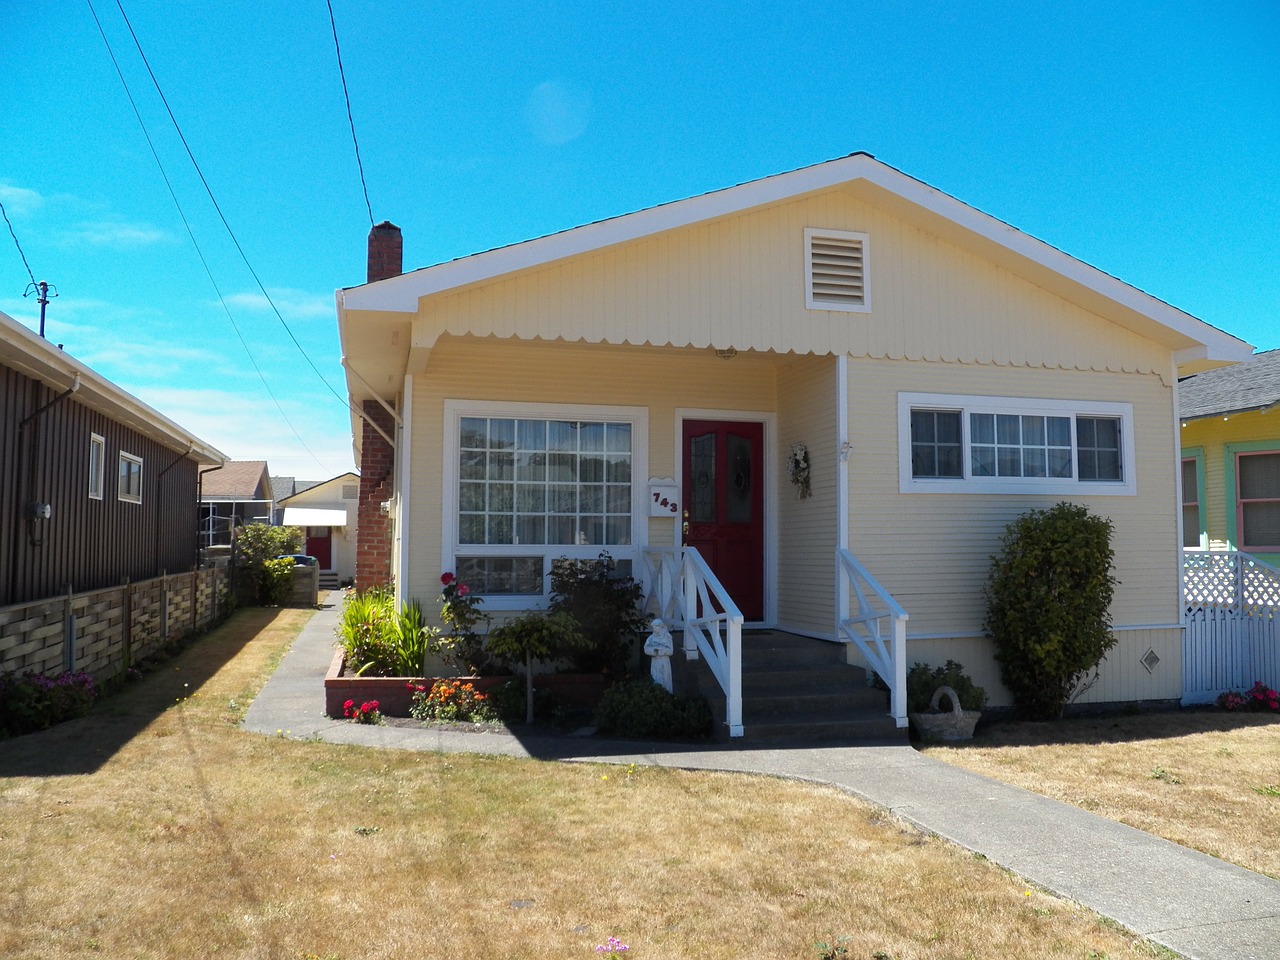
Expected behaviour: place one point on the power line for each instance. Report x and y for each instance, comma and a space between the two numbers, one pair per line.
19, 246
199, 253
231, 233
347, 96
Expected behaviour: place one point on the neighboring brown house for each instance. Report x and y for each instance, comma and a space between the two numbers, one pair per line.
237, 493
96, 487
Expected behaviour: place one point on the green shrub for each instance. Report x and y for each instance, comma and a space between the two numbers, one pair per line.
1048, 606
381, 641
606, 606
255, 545
922, 681
643, 709
534, 636
277, 582
32, 701
461, 645
510, 701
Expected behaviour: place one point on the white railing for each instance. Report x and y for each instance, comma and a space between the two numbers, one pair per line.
1228, 578
878, 629
685, 595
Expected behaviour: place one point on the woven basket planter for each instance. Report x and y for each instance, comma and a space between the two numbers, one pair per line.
956, 724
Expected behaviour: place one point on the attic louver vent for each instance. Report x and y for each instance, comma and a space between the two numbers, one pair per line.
835, 268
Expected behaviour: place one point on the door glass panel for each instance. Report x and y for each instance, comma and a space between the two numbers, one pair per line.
738, 495
702, 477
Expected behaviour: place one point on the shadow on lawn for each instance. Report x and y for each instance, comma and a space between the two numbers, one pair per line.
84, 745
1117, 727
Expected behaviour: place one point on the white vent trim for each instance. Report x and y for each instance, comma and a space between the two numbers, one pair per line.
836, 270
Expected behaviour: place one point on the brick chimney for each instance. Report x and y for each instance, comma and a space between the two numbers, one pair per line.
386, 251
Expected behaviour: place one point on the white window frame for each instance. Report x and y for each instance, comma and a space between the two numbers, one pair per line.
455, 410
121, 493
817, 233
1056, 486
98, 469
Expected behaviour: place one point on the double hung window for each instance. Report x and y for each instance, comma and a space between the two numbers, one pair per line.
964, 444
130, 482
1258, 501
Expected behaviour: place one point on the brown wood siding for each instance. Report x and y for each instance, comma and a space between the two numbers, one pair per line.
87, 544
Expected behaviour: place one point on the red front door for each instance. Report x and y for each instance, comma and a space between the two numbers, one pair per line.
724, 505
320, 546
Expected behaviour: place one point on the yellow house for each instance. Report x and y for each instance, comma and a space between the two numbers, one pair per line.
1231, 458
813, 401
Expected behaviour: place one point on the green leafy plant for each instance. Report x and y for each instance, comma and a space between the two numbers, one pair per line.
606, 605
641, 708
33, 701
460, 644
277, 581
255, 546
451, 701
534, 636
923, 680
381, 641
1048, 606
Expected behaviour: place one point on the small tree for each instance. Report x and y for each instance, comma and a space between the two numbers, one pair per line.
606, 606
1048, 606
255, 545
534, 636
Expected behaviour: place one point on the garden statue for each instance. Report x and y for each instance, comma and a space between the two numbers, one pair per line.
660, 646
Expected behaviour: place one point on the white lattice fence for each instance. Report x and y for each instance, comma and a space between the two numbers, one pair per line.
1232, 618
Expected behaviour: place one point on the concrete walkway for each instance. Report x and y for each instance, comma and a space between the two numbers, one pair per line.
1203, 908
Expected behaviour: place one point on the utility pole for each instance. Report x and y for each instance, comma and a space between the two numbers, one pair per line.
42, 289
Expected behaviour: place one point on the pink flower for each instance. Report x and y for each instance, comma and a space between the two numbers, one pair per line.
463, 589
447, 578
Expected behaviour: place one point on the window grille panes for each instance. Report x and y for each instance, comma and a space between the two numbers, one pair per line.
544, 482
1019, 445
512, 576
1190, 504
1098, 448
1258, 497
936, 443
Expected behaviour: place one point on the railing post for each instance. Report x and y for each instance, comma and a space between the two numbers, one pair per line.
733, 696
690, 591
898, 700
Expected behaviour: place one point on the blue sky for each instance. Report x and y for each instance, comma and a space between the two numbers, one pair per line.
1142, 138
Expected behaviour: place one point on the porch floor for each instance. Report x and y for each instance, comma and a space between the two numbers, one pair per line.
794, 690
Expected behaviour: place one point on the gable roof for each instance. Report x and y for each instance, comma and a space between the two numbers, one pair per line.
1241, 387
1192, 340
238, 480
319, 488
30, 354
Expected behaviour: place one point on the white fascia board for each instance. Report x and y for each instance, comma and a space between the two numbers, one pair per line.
401, 294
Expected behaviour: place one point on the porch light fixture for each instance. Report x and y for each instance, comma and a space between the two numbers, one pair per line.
727, 354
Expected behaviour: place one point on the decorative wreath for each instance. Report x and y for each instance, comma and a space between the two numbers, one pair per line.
798, 469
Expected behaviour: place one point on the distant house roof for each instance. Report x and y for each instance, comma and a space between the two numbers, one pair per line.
23, 350
335, 487
282, 487
238, 480
1253, 385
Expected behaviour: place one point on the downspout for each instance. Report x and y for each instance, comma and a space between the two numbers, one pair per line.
159, 505
199, 500
28, 481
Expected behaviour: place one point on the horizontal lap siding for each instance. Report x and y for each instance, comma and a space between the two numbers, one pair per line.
740, 282
660, 380
1213, 434
807, 528
932, 551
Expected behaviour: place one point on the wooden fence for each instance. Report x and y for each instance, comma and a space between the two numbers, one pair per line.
104, 631
1232, 619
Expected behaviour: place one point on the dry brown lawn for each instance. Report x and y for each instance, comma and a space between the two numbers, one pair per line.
157, 828
1204, 778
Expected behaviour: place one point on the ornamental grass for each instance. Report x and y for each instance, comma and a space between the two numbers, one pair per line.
156, 828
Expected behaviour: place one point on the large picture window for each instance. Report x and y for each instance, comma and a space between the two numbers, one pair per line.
533, 485
961, 444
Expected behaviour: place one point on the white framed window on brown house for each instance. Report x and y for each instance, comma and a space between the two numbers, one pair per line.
951, 443
836, 270
97, 465
129, 486
528, 484
1258, 501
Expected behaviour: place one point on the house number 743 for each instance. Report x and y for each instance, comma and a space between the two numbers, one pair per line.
665, 502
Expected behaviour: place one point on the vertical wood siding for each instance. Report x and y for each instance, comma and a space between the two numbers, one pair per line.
87, 543
740, 282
